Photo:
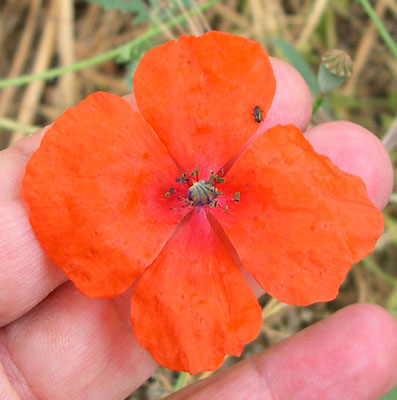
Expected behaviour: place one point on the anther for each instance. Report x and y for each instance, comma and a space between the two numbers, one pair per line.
213, 203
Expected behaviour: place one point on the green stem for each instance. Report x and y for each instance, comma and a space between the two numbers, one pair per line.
393, 198
374, 269
11, 125
381, 29
181, 381
317, 103
89, 62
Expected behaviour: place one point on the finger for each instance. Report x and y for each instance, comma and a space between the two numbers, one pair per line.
12, 165
292, 103
356, 150
7, 392
72, 347
350, 355
27, 275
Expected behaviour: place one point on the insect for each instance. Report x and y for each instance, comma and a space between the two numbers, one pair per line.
257, 114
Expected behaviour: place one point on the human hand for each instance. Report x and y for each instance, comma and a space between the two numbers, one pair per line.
63, 345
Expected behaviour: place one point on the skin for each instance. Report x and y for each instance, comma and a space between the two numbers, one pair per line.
57, 344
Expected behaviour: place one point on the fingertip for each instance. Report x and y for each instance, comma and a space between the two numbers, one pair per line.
353, 353
357, 151
292, 103
372, 328
26, 146
13, 162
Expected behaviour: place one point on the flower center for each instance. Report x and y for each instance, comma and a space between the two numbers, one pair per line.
202, 193
195, 192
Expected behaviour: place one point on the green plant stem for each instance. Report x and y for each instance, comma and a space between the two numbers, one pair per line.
317, 103
381, 29
374, 269
393, 198
181, 381
11, 125
89, 62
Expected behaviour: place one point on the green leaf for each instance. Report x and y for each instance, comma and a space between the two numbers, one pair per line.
297, 61
130, 71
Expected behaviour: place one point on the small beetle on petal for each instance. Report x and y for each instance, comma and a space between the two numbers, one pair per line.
257, 114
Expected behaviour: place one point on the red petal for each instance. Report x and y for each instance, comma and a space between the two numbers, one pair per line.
199, 93
301, 221
192, 305
96, 188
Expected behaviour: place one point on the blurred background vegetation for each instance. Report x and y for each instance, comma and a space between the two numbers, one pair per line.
55, 52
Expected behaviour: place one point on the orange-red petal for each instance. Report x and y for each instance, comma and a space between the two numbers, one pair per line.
95, 189
192, 305
199, 93
301, 221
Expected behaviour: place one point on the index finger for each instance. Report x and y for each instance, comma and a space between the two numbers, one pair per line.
26, 275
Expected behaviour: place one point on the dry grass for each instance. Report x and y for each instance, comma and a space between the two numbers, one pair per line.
36, 35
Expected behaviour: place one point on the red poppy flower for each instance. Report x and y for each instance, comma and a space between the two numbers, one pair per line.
118, 195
